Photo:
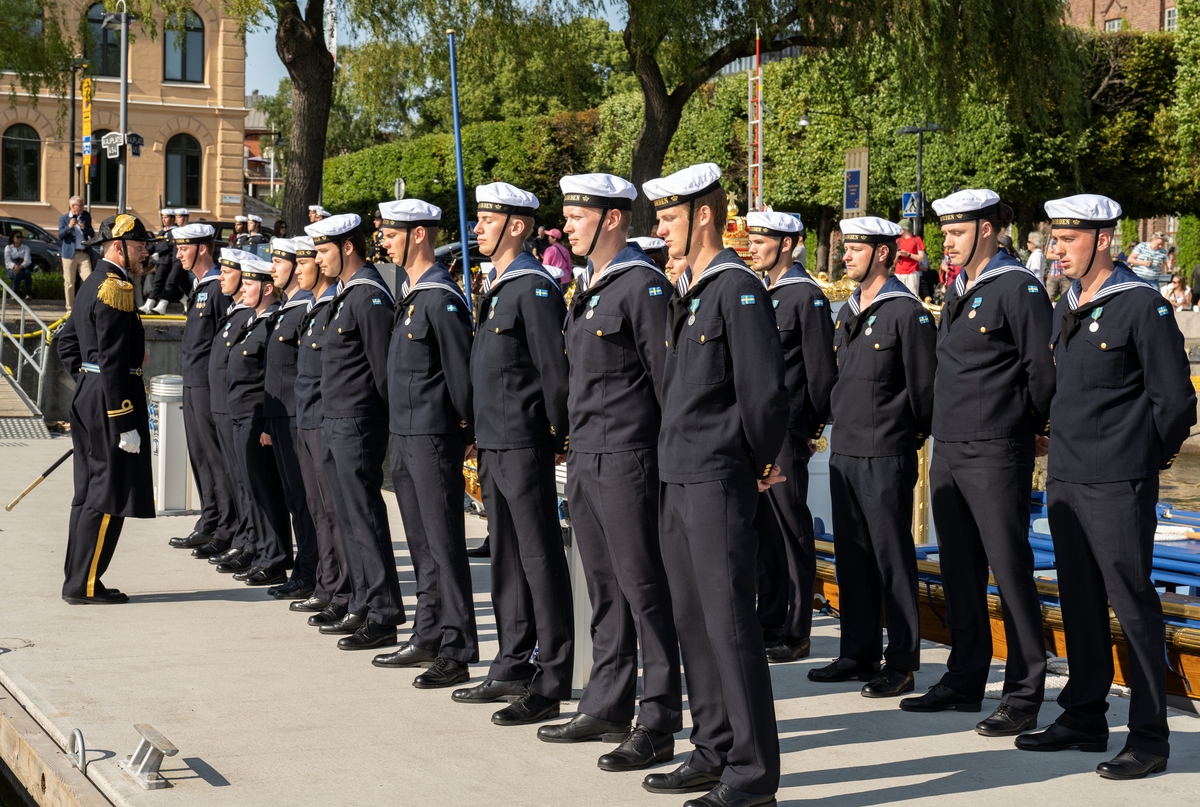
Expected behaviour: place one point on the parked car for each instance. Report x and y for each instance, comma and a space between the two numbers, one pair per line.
44, 248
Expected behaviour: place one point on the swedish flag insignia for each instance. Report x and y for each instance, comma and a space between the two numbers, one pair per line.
924, 318
818, 303
376, 301
541, 292
748, 299
1163, 310
116, 293
656, 291
1031, 289
451, 307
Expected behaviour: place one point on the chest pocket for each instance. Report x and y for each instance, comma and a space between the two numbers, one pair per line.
878, 355
980, 341
1108, 359
246, 358
502, 343
282, 346
415, 345
601, 346
706, 352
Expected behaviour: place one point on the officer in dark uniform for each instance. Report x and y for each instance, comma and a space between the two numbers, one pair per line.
617, 318
103, 342
429, 397
377, 250
1123, 408
519, 373
279, 410
787, 559
358, 327
162, 263
331, 583
882, 409
994, 383
725, 411
214, 530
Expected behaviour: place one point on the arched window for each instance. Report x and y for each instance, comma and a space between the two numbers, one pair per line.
21, 156
183, 171
106, 45
104, 176
183, 50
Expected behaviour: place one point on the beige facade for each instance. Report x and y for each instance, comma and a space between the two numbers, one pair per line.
208, 107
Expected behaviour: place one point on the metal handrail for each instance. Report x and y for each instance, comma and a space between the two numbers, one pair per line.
42, 332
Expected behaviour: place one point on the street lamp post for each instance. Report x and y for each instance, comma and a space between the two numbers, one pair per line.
863, 125
77, 64
919, 131
119, 21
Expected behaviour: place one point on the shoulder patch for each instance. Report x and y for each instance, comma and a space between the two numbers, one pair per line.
748, 299
656, 291
818, 303
1032, 289
541, 292
376, 301
451, 307
116, 293
924, 318
1163, 310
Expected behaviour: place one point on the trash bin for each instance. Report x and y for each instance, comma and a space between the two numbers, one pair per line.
168, 447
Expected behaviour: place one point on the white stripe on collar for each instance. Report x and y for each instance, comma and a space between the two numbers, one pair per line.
684, 281
585, 277
791, 281
960, 283
887, 295
294, 303
365, 281
426, 286
511, 274
1116, 288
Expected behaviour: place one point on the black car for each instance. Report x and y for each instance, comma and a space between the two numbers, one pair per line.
44, 248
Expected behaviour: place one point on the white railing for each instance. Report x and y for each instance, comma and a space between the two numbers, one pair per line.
31, 331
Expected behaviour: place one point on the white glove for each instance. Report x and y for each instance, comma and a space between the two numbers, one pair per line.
131, 441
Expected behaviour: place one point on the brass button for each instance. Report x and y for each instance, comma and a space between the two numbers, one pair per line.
314, 345
339, 330
281, 339
599, 333
410, 336
229, 344
982, 329
1104, 345
245, 352
701, 338
877, 346
497, 330
666, 343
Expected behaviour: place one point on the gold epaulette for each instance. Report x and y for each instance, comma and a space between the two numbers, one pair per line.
116, 293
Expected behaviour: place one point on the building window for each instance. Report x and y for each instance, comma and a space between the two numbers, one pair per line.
183, 171
1112, 25
104, 173
1170, 19
106, 45
183, 50
21, 170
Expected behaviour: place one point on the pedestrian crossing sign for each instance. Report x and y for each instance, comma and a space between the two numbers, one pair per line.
912, 205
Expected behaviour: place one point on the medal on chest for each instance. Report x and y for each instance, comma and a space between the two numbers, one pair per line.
592, 303
870, 322
978, 301
492, 313
694, 307
408, 319
1096, 313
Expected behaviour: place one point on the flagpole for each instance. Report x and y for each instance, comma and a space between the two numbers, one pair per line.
458, 154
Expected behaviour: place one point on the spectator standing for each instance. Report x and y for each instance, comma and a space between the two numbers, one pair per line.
538, 247
1036, 262
556, 255
1178, 294
1006, 245
74, 227
16, 258
800, 253
910, 254
1147, 258
948, 273
1169, 266
1056, 282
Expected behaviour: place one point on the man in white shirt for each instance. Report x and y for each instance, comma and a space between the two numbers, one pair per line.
1037, 259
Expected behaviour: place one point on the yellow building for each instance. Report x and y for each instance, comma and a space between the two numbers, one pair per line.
186, 99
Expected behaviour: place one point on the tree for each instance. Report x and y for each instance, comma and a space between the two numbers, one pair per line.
1187, 86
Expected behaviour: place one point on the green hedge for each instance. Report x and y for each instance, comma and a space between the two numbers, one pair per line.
1187, 246
48, 286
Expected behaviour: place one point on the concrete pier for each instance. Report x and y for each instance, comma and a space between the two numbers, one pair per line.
266, 711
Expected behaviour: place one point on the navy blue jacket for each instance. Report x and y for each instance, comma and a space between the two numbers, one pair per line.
247, 370
309, 411
231, 325
429, 362
358, 327
994, 376
207, 306
65, 233
612, 335
724, 403
1125, 401
282, 349
883, 399
809, 363
519, 362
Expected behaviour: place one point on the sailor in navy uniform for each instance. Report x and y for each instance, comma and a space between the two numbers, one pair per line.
254, 234
519, 374
170, 278
279, 410
724, 414
1123, 408
787, 556
429, 397
614, 328
237, 558
331, 583
882, 404
995, 380
214, 530
102, 345
358, 327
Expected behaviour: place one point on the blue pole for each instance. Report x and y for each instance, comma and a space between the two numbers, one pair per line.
462, 190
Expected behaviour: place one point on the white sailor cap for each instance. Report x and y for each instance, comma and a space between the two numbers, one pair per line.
254, 268
305, 248
683, 186
768, 222
333, 228
182, 211
967, 205
241, 219
604, 191
191, 233
500, 197
1085, 211
283, 248
647, 243
869, 230
167, 211
408, 213
253, 217
318, 209
233, 257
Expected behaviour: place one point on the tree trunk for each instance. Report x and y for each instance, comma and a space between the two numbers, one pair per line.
824, 228
660, 120
300, 43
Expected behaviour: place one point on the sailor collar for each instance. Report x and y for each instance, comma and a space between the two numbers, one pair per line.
797, 274
300, 298
724, 260
891, 289
1121, 279
435, 277
1001, 263
523, 265
368, 275
629, 257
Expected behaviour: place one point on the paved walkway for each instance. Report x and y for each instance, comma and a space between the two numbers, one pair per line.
266, 711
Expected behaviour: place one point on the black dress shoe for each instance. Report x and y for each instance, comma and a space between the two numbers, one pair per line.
301, 591
409, 655
1132, 763
348, 624
481, 551
491, 691
938, 699
445, 672
583, 728
285, 586
329, 615
531, 708
266, 577
246, 574
1006, 721
227, 555
788, 649
371, 634
211, 549
242, 562
641, 748
1060, 738
725, 796
681, 780
313, 603
107, 597
844, 669
190, 542
889, 683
